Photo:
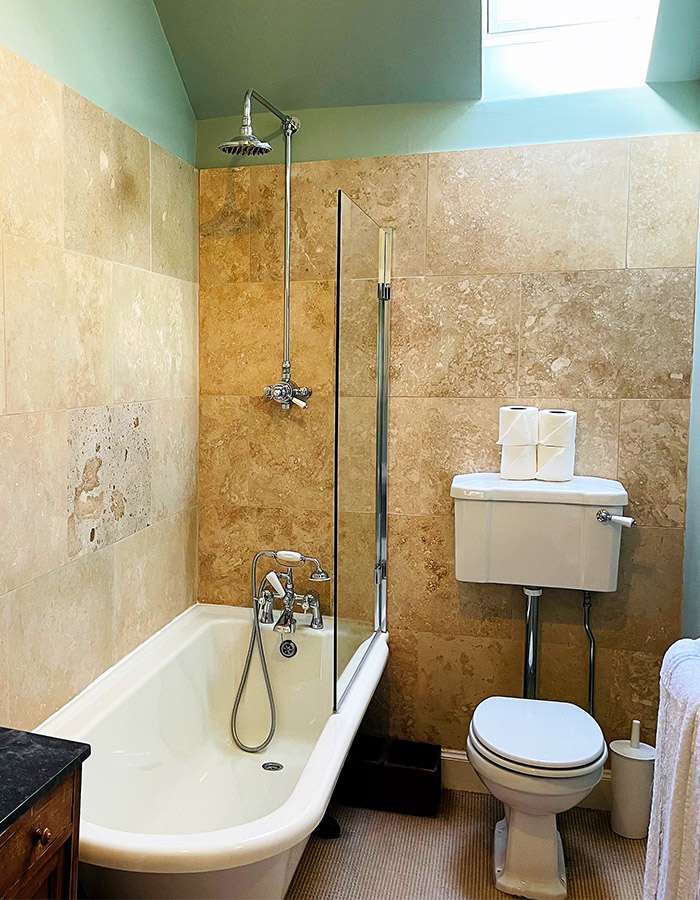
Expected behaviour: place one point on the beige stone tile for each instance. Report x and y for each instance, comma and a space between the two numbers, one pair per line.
653, 459
357, 443
615, 342
107, 193
31, 151
224, 226
224, 455
109, 485
394, 707
390, 189
312, 335
355, 567
58, 327
455, 673
175, 431
423, 593
237, 324
645, 611
291, 455
2, 334
60, 636
4, 660
563, 673
174, 215
663, 203
633, 677
230, 536
552, 207
155, 336
455, 337
357, 359
360, 236
33, 464
405, 437
241, 337
458, 436
597, 432
154, 579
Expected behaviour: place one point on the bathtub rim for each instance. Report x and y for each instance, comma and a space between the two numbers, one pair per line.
240, 844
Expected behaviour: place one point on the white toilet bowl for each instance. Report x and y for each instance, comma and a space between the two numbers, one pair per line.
539, 758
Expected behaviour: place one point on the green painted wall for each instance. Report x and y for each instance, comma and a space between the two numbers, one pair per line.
113, 52
675, 54
430, 127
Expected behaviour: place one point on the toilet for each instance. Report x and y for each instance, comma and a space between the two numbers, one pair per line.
538, 757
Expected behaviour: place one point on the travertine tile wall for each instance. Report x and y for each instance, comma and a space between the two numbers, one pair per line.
98, 390
559, 274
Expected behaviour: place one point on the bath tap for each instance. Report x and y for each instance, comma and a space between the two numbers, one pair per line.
281, 585
309, 602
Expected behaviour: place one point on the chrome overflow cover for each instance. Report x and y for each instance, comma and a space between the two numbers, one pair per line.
272, 766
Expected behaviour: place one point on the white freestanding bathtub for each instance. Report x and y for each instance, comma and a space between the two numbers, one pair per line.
171, 807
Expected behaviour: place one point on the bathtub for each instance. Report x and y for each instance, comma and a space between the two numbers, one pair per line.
170, 806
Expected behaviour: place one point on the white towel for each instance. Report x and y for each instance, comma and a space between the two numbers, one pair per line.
673, 854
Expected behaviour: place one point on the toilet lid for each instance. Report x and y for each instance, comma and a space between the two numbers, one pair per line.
542, 733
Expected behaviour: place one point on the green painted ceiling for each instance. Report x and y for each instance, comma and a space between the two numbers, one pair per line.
324, 53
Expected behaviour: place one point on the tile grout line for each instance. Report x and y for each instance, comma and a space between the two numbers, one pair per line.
98, 550
629, 196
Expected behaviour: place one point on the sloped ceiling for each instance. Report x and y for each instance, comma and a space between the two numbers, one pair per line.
324, 53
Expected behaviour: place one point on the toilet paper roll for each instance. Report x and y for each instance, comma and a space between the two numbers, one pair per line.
517, 425
555, 463
518, 463
557, 427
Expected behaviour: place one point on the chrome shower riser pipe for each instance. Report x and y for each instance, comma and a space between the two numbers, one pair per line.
288, 132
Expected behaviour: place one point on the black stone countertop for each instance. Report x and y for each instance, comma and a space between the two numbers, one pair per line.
30, 766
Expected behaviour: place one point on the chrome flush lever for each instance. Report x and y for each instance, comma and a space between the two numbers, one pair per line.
604, 516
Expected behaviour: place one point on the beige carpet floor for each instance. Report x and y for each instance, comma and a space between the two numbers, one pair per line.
385, 856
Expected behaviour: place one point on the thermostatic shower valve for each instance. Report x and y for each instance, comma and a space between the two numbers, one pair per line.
286, 392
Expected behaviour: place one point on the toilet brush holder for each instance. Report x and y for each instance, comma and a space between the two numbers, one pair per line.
632, 775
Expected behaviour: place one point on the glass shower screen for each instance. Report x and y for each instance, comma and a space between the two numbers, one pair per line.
362, 356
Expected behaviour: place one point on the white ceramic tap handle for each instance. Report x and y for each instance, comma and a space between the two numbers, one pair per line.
625, 521
604, 516
300, 403
276, 584
289, 556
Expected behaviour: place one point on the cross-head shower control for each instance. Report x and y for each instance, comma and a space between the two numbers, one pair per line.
286, 392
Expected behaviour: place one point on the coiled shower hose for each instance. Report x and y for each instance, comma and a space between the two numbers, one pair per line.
255, 638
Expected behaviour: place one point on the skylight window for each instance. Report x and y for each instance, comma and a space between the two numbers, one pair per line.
506, 16
537, 47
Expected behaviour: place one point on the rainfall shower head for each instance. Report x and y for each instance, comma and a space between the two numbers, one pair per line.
245, 144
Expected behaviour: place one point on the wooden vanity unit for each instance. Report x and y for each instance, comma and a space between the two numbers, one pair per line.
39, 815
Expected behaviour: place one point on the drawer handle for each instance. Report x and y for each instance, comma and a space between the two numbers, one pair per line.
43, 836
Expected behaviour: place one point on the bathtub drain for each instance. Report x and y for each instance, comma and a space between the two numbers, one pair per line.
272, 766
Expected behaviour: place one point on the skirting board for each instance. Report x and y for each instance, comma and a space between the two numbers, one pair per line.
458, 775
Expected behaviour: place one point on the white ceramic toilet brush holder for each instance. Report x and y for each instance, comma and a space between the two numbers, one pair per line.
632, 774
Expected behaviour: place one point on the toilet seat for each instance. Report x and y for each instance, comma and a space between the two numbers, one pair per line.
526, 769
537, 737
